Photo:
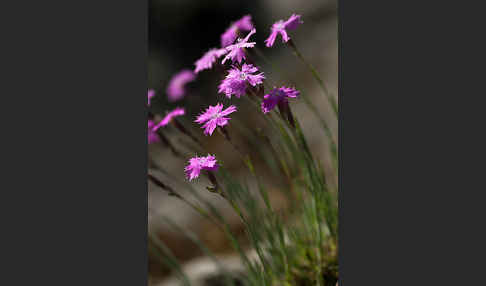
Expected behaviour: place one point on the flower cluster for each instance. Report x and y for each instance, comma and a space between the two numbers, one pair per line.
236, 51
214, 116
208, 59
176, 89
151, 134
243, 24
168, 118
240, 78
281, 28
278, 96
237, 80
151, 93
196, 164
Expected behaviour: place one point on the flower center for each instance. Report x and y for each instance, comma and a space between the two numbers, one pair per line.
214, 116
243, 76
279, 95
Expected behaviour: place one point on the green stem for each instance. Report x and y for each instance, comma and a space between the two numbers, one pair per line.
261, 55
173, 193
215, 218
312, 107
164, 253
331, 99
327, 131
226, 136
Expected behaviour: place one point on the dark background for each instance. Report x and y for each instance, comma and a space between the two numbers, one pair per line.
180, 32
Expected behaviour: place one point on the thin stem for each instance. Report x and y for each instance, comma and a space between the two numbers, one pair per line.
185, 131
327, 131
164, 253
163, 186
326, 128
167, 142
226, 136
331, 99
261, 55
217, 219
173, 193
314, 110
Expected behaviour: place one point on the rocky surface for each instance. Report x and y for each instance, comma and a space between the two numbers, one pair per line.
204, 271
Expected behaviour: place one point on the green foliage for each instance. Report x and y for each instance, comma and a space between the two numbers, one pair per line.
298, 246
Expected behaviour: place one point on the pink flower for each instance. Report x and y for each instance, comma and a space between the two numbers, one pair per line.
236, 81
281, 28
214, 116
230, 35
207, 60
152, 135
278, 96
167, 119
176, 90
236, 52
151, 93
197, 164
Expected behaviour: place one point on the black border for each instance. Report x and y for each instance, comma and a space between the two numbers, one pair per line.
76, 208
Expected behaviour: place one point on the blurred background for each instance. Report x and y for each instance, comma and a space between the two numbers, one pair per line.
180, 32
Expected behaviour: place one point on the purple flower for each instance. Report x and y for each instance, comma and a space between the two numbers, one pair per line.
236, 52
236, 81
230, 35
281, 28
176, 90
197, 164
278, 96
152, 135
151, 93
214, 116
168, 118
207, 60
